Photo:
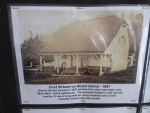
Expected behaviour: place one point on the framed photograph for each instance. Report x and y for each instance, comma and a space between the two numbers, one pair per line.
83, 110
72, 54
145, 109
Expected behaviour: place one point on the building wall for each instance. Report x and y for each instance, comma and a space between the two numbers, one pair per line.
106, 61
93, 61
119, 49
73, 61
66, 60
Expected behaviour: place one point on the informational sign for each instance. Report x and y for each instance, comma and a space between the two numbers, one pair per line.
145, 109
68, 55
83, 110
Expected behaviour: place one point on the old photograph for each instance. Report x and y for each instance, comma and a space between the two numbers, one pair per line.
79, 54
60, 47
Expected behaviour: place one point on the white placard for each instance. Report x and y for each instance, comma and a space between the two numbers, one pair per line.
79, 54
145, 109
83, 110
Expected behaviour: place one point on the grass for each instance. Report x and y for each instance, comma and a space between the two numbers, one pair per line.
125, 77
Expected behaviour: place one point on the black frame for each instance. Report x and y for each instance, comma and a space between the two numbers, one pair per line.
8, 86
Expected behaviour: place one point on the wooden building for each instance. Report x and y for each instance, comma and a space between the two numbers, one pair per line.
104, 42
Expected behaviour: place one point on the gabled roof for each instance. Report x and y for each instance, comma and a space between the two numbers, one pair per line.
92, 35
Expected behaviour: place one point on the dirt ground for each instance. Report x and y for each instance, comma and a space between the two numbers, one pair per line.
124, 77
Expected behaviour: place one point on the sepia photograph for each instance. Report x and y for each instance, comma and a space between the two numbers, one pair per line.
79, 54
61, 47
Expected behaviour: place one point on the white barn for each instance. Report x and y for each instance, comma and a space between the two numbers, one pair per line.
104, 42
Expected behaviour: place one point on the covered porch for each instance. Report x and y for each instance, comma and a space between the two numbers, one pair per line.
103, 60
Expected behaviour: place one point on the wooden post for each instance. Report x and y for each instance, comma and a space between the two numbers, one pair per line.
132, 59
100, 65
43, 62
31, 64
77, 64
57, 64
41, 67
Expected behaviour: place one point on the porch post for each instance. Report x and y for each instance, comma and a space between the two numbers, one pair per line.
132, 59
43, 62
57, 64
100, 62
31, 64
41, 69
77, 63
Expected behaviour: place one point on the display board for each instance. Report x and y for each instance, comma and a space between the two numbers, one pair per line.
146, 95
145, 109
83, 110
79, 54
